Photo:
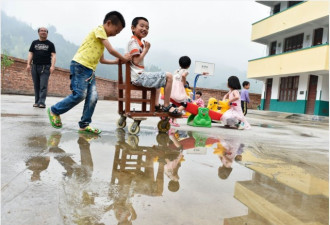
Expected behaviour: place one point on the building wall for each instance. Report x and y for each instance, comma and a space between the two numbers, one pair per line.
322, 102
299, 106
308, 38
294, 63
15, 80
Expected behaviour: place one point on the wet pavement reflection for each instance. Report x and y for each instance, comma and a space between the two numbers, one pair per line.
183, 177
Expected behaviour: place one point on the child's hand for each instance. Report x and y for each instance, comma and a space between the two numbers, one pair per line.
146, 45
116, 61
127, 57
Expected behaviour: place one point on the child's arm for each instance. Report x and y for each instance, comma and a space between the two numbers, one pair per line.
115, 61
107, 61
247, 97
225, 97
113, 52
138, 58
184, 77
235, 98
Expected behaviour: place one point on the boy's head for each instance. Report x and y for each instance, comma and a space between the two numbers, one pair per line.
173, 186
246, 84
113, 23
184, 62
140, 27
198, 94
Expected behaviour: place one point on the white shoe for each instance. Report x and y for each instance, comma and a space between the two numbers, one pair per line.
241, 126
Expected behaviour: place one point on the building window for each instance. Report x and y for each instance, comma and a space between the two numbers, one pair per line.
318, 35
272, 49
294, 42
277, 8
289, 89
292, 3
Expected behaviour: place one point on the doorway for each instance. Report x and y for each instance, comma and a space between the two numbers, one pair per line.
268, 96
311, 97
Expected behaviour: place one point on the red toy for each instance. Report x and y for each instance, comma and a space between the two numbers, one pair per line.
193, 109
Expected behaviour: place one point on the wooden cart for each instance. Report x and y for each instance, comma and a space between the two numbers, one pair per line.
125, 99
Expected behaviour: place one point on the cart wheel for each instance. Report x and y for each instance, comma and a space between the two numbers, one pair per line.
162, 139
164, 126
121, 122
120, 134
134, 128
133, 140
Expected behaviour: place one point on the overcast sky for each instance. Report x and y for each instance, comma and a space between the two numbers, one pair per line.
206, 30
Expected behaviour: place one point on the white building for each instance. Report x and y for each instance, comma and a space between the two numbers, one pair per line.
295, 70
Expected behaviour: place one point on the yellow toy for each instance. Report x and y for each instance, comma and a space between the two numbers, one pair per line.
219, 150
214, 105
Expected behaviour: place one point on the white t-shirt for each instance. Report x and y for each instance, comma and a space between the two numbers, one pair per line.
135, 47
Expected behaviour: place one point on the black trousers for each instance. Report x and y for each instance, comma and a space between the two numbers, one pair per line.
244, 107
40, 76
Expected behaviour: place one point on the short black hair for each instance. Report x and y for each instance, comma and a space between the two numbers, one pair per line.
42, 27
224, 172
245, 83
233, 82
115, 18
184, 62
199, 93
135, 21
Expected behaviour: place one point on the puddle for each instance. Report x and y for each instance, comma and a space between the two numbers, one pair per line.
184, 177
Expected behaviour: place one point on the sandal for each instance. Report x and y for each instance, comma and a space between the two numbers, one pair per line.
158, 108
90, 130
88, 137
174, 124
54, 139
174, 113
55, 120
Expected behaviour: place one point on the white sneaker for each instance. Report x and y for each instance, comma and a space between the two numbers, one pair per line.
241, 126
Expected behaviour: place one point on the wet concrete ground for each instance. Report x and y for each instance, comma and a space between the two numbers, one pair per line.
275, 173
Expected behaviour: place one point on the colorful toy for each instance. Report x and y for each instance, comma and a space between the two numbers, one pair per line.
214, 105
195, 140
202, 119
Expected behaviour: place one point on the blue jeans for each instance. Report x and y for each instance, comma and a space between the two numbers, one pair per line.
83, 86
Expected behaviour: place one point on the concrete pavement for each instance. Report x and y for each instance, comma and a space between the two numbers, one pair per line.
51, 176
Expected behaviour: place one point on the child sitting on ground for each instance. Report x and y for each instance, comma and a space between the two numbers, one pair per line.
235, 112
138, 50
199, 101
178, 93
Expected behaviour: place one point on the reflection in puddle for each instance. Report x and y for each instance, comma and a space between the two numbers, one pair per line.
151, 179
270, 202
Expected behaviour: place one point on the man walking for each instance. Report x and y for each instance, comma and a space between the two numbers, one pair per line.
42, 54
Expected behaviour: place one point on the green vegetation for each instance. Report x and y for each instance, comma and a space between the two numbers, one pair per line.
6, 62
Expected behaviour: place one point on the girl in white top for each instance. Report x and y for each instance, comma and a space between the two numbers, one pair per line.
178, 92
